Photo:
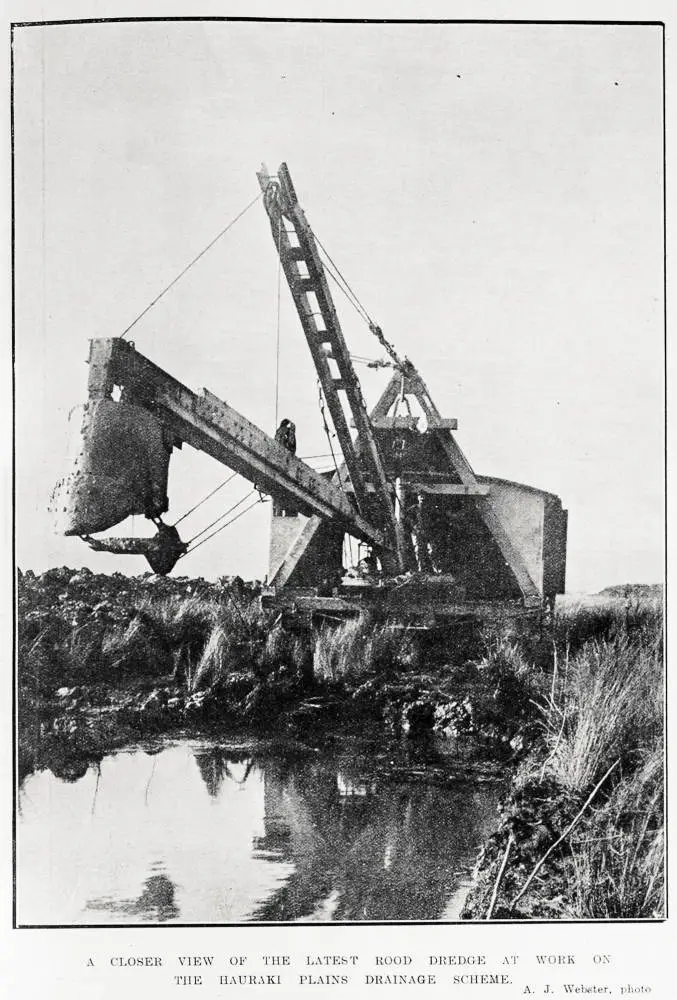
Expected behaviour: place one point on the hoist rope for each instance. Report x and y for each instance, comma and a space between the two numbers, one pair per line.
204, 499
362, 313
232, 521
355, 302
342, 283
221, 517
320, 397
193, 261
371, 362
333, 456
277, 339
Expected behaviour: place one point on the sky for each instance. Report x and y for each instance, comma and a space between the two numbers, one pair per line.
493, 193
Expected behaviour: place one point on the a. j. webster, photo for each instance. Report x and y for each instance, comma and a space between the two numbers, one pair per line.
339, 472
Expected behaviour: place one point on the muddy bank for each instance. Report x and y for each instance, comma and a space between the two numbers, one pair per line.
533, 814
561, 856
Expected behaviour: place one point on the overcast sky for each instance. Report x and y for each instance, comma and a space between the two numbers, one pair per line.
492, 192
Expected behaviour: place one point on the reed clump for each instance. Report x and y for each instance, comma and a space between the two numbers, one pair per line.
618, 860
84, 628
606, 717
354, 650
583, 826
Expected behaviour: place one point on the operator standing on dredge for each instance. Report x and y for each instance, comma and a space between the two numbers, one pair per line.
286, 436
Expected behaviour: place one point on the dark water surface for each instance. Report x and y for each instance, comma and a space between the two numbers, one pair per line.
204, 832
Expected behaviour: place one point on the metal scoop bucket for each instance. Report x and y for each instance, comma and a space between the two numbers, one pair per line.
120, 463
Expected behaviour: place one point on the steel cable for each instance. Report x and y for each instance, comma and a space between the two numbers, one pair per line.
355, 302
277, 337
232, 520
204, 499
188, 266
320, 396
221, 517
347, 291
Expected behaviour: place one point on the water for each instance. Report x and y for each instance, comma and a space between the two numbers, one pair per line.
199, 832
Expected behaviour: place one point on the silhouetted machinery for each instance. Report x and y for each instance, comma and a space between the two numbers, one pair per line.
438, 540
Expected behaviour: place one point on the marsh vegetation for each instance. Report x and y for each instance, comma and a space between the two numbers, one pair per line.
574, 710
582, 831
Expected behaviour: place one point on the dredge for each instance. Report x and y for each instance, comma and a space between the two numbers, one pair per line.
438, 541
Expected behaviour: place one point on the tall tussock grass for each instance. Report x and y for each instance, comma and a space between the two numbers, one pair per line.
578, 621
153, 636
238, 640
504, 653
185, 625
610, 707
143, 646
603, 723
215, 661
618, 865
358, 649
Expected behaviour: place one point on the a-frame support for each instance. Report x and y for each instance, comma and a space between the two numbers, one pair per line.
409, 383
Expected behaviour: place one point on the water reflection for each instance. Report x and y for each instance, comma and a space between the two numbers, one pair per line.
387, 852
217, 763
155, 904
206, 833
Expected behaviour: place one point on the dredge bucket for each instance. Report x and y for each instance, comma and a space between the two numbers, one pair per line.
120, 462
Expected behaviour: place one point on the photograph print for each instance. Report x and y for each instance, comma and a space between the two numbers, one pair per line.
339, 495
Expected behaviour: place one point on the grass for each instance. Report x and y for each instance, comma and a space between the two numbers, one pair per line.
84, 630
358, 649
618, 862
603, 715
607, 706
184, 627
215, 661
581, 702
578, 620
